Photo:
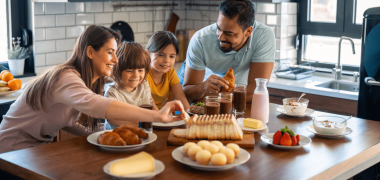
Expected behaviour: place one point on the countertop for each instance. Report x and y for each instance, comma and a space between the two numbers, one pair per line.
306, 85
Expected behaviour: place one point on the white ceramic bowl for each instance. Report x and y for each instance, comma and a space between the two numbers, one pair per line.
331, 125
298, 108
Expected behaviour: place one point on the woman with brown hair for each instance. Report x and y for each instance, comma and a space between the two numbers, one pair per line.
69, 97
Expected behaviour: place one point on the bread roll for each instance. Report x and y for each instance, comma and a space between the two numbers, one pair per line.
212, 148
218, 159
234, 147
230, 154
203, 157
218, 143
203, 143
186, 147
193, 150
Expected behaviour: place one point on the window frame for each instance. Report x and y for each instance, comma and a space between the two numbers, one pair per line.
344, 27
16, 20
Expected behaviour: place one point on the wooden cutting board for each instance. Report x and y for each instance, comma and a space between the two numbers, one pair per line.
247, 142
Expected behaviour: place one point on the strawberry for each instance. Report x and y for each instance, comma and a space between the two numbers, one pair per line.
286, 140
277, 137
294, 141
298, 138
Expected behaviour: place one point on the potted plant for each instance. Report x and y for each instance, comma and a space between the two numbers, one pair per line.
16, 57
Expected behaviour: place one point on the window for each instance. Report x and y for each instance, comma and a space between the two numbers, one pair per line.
3, 31
322, 23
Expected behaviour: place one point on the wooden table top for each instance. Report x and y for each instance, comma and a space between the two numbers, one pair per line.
322, 159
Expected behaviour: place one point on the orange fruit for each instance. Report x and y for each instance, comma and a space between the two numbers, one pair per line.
7, 76
2, 72
13, 85
19, 82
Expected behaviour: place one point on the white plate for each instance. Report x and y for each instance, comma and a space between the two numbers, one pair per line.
159, 167
180, 157
268, 138
241, 124
93, 139
307, 112
7, 92
169, 125
346, 132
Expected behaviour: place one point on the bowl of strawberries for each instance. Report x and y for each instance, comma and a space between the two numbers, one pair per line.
285, 138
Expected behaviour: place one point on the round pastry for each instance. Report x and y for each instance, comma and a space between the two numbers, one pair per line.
230, 154
221, 148
203, 157
203, 143
212, 148
234, 147
193, 150
218, 143
218, 159
186, 147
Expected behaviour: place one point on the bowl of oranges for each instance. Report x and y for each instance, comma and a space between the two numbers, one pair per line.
8, 84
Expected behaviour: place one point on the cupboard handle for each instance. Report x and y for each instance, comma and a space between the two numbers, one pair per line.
370, 81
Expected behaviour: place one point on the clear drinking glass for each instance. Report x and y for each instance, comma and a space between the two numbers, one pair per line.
212, 105
240, 93
225, 100
146, 103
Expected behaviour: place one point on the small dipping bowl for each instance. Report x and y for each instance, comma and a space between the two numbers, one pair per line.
298, 107
331, 125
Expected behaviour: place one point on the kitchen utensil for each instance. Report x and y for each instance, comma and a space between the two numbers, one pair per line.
347, 119
173, 23
303, 94
124, 29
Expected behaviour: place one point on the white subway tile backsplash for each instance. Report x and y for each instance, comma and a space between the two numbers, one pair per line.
181, 5
55, 33
129, 8
292, 31
197, 25
189, 24
74, 31
65, 44
39, 34
194, 15
144, 8
266, 8
65, 20
278, 8
39, 8
291, 53
160, 7
260, 18
137, 16
75, 7
295, 20
159, 15
103, 18
94, 7
44, 21
120, 16
205, 23
133, 26
144, 27
292, 8
148, 15
180, 25
158, 26
180, 13
107, 25
278, 44
205, 15
168, 15
82, 19
273, 20
108, 6
140, 38
281, 32
39, 60
54, 8
284, 8
214, 16
55, 58
69, 54
44, 46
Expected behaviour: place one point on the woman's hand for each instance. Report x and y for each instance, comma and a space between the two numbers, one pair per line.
172, 106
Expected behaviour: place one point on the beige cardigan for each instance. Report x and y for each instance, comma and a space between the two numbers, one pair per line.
23, 127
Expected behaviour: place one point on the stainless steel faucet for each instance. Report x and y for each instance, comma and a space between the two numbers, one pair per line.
337, 71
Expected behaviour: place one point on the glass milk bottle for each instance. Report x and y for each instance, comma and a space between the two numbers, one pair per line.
260, 101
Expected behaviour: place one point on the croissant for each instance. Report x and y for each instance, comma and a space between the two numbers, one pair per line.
111, 138
141, 133
230, 77
129, 137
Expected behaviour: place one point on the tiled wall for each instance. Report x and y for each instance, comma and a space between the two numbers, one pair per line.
58, 25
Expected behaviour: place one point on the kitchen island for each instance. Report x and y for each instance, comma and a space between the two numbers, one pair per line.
323, 158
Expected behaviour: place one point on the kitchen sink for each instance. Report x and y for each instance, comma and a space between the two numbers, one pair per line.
341, 85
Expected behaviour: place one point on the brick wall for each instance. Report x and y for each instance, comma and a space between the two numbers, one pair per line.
58, 25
